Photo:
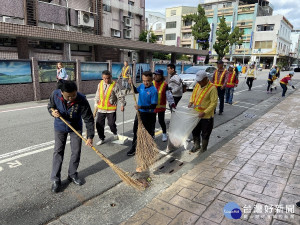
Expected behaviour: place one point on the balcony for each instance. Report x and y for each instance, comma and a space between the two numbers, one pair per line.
225, 11
209, 12
186, 29
244, 23
246, 9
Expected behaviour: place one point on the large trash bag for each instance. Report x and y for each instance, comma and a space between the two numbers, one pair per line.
183, 121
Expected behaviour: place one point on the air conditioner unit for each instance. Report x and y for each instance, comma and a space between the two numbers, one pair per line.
127, 34
127, 21
243, 23
115, 33
6, 19
85, 19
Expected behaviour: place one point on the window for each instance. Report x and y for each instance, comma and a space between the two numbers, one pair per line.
187, 23
170, 37
263, 44
131, 3
187, 36
158, 26
8, 42
106, 8
171, 24
159, 37
173, 12
268, 27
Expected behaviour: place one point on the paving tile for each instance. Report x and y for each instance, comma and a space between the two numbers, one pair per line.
203, 221
192, 174
210, 182
281, 171
159, 219
140, 217
289, 158
185, 218
235, 186
210, 173
292, 190
270, 177
250, 179
188, 193
228, 197
293, 219
170, 192
277, 222
188, 205
259, 157
227, 221
296, 172
238, 161
225, 176
215, 211
266, 169
206, 195
249, 169
189, 184
164, 208
261, 218
294, 181
290, 200
273, 189
259, 197
254, 187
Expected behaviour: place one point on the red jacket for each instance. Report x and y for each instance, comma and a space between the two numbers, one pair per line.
162, 99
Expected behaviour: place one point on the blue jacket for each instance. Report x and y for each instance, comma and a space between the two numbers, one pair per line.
73, 113
148, 98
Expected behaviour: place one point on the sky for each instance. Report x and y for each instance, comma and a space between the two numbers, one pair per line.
288, 8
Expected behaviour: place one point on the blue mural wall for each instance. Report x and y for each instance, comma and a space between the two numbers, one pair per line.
92, 71
15, 72
140, 68
162, 67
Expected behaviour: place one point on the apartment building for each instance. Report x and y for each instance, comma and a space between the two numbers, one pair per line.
156, 23
178, 32
272, 39
240, 13
122, 19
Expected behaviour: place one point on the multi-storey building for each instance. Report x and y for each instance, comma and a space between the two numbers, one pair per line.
156, 23
271, 39
240, 13
122, 19
178, 32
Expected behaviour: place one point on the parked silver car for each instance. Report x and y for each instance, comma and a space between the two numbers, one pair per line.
188, 77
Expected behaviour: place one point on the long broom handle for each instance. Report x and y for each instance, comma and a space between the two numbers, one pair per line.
138, 112
85, 140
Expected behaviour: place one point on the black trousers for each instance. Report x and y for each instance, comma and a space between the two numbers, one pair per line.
177, 99
249, 82
284, 89
269, 85
59, 150
221, 94
100, 123
204, 128
148, 120
161, 120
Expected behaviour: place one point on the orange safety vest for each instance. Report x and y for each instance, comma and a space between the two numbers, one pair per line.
197, 101
216, 82
231, 79
161, 91
103, 102
124, 71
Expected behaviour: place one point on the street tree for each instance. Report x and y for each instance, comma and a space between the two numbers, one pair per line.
144, 34
222, 41
200, 29
235, 38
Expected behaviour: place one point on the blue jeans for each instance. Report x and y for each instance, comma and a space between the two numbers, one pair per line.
229, 95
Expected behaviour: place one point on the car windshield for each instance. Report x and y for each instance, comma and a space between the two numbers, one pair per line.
194, 70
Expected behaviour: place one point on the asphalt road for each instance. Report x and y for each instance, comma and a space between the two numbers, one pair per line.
27, 146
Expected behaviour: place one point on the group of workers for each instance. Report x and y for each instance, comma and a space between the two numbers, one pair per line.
68, 103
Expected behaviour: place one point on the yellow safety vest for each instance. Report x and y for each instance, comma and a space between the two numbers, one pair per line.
160, 103
124, 71
104, 103
216, 82
231, 80
197, 102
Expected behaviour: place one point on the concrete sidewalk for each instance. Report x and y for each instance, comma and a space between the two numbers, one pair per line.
259, 169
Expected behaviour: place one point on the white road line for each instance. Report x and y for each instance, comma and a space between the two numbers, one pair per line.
19, 109
242, 106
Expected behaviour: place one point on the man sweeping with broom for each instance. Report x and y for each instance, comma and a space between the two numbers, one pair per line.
72, 106
146, 105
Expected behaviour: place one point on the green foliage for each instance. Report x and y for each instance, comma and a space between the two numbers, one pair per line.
222, 43
201, 27
160, 55
236, 36
143, 37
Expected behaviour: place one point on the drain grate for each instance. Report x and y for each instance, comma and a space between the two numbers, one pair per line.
169, 167
249, 115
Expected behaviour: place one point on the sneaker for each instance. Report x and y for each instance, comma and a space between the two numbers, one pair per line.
131, 152
116, 137
164, 137
100, 142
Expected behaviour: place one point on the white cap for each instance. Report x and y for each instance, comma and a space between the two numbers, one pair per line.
231, 66
200, 75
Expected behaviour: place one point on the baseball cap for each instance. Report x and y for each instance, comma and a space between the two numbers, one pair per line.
220, 62
291, 73
159, 72
200, 75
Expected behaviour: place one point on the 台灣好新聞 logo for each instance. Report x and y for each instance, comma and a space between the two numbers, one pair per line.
232, 211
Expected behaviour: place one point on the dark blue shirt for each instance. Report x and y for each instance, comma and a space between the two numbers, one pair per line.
147, 96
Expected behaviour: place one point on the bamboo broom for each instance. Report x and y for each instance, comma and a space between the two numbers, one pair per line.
146, 148
121, 173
